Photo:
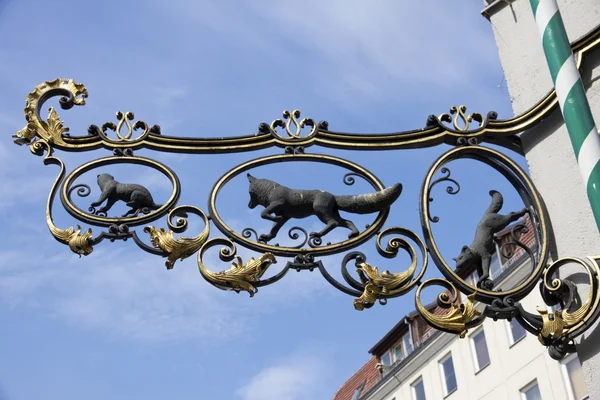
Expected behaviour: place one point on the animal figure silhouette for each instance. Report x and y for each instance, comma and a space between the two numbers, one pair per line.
282, 203
480, 251
135, 196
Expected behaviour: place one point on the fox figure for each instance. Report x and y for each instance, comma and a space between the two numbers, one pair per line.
282, 203
479, 253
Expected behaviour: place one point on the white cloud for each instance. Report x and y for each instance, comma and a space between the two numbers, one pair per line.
297, 377
122, 293
355, 46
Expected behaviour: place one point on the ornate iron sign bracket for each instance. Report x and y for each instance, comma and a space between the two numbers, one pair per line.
280, 204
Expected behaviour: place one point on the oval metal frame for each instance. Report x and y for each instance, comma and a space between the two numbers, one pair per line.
290, 251
521, 182
108, 221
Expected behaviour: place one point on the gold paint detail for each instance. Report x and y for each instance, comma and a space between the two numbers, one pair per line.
125, 121
53, 129
241, 276
552, 328
564, 321
459, 114
292, 127
181, 247
386, 284
78, 242
382, 284
458, 316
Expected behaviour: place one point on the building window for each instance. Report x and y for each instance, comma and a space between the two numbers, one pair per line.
407, 345
418, 389
358, 390
516, 331
401, 350
531, 392
398, 353
448, 375
574, 378
480, 350
386, 359
496, 267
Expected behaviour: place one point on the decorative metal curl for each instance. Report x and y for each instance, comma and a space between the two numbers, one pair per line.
384, 285
52, 131
292, 126
241, 276
571, 320
83, 190
78, 241
181, 247
459, 114
459, 317
124, 121
295, 236
349, 180
449, 189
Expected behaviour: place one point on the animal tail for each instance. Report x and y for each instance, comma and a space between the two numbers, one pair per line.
369, 203
496, 204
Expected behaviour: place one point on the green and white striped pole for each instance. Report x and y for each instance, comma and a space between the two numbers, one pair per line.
571, 97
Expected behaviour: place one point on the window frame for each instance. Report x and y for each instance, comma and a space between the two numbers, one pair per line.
408, 336
415, 383
443, 374
528, 387
511, 339
389, 354
567, 378
478, 368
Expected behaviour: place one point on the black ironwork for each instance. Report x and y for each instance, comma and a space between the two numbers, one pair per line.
294, 135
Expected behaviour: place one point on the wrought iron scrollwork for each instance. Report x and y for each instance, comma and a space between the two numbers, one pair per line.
459, 318
181, 247
449, 189
241, 275
369, 283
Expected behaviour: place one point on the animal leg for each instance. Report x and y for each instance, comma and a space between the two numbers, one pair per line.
327, 219
271, 209
101, 199
485, 268
274, 230
346, 223
111, 201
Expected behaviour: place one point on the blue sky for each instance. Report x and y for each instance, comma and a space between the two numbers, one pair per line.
116, 324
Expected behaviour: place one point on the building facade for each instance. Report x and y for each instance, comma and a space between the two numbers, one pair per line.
498, 360
550, 155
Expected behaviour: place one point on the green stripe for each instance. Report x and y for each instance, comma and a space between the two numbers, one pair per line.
594, 194
578, 117
534, 6
556, 45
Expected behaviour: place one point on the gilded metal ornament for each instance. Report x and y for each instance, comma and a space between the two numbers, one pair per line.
459, 317
241, 276
291, 134
181, 247
52, 130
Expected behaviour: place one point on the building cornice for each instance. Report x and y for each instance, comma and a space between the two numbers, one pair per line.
494, 6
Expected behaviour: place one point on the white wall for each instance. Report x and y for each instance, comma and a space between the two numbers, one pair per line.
549, 153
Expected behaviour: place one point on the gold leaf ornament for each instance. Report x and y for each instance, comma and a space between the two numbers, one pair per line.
241, 276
